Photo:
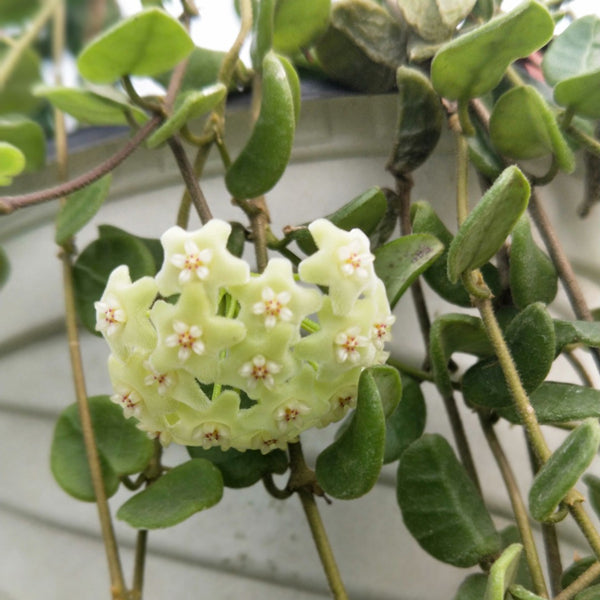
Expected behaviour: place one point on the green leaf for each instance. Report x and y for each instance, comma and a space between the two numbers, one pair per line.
425, 220
489, 223
503, 572
294, 81
136, 46
454, 333
264, 158
153, 245
522, 126
419, 125
27, 136
242, 469
511, 535
4, 267
590, 593
530, 333
533, 277
94, 265
187, 489
518, 592
189, 105
15, 95
123, 449
237, 239
441, 506
79, 208
297, 23
13, 11
482, 153
435, 20
574, 52
96, 106
407, 423
350, 466
555, 402
12, 162
362, 47
262, 31
399, 262
593, 485
389, 385
474, 63
577, 568
472, 588
580, 94
562, 470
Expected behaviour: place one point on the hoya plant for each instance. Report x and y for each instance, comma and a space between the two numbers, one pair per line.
233, 339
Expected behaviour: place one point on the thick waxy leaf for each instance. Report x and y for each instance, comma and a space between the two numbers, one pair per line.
263, 159
242, 469
581, 93
593, 484
122, 447
363, 212
522, 126
262, 29
190, 105
4, 267
349, 467
94, 265
472, 588
574, 52
591, 593
482, 153
441, 506
576, 332
574, 570
407, 422
503, 572
79, 208
474, 63
562, 470
362, 47
187, 489
389, 385
399, 262
98, 106
27, 136
203, 69
12, 162
13, 11
16, 96
298, 23
435, 20
420, 119
136, 46
454, 333
555, 402
530, 333
518, 592
425, 220
489, 223
510, 535
533, 277
153, 245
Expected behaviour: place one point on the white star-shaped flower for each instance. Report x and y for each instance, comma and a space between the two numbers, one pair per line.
187, 339
163, 381
354, 260
259, 369
212, 434
347, 344
193, 262
273, 306
129, 401
290, 415
110, 317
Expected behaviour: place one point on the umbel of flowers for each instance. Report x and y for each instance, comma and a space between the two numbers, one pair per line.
208, 354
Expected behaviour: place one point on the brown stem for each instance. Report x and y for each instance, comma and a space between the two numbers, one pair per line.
581, 583
8, 204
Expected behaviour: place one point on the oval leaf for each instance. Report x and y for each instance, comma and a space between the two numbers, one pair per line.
441, 506
503, 572
136, 46
420, 119
522, 126
12, 162
593, 485
472, 588
298, 23
576, 332
79, 208
123, 449
399, 262
474, 63
242, 469
407, 422
187, 489
581, 94
574, 52
577, 568
189, 105
533, 277
27, 136
489, 223
389, 385
531, 332
262, 30
350, 466
263, 159
562, 470
15, 95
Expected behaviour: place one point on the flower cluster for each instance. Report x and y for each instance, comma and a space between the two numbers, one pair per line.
208, 354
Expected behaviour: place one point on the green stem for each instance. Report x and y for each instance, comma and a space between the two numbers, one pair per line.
302, 480
518, 506
591, 143
580, 584
16, 50
276, 492
553, 559
462, 178
183, 214
139, 565
418, 374
583, 521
